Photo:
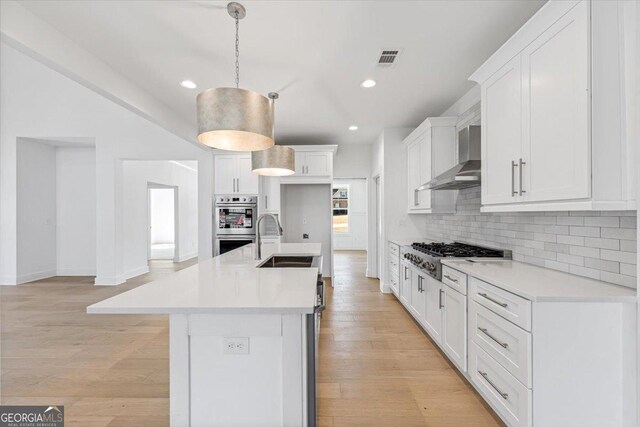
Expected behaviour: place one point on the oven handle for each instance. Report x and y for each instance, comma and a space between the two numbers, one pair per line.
250, 238
230, 205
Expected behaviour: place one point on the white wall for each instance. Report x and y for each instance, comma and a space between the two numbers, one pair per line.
136, 176
37, 101
76, 211
356, 236
352, 161
306, 209
161, 215
389, 160
36, 210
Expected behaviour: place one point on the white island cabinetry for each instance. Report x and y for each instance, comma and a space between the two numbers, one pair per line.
240, 337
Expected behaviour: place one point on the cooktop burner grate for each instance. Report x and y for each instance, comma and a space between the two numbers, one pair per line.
456, 249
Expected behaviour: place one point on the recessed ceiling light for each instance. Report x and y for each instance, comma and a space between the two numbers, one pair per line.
368, 83
353, 127
188, 84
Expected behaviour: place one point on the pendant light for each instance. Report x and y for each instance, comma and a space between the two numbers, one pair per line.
233, 118
278, 160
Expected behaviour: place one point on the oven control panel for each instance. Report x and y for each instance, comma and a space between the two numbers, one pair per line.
236, 199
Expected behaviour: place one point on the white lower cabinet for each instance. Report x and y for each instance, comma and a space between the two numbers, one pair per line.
394, 268
405, 284
538, 361
503, 391
454, 326
417, 295
433, 308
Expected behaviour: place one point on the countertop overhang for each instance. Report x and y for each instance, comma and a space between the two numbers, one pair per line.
541, 284
229, 283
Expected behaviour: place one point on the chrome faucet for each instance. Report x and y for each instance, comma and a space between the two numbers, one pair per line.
258, 238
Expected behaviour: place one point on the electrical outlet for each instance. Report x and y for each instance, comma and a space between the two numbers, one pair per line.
235, 345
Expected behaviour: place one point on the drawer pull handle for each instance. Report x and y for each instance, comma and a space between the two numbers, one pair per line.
505, 396
485, 296
451, 278
484, 331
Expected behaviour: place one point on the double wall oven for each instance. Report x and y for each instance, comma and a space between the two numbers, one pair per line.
234, 222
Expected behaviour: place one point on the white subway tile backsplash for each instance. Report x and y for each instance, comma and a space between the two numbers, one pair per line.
599, 245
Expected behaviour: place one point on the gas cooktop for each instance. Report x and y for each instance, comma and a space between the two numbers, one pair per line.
427, 256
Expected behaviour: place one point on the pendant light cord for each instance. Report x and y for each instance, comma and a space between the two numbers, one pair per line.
237, 51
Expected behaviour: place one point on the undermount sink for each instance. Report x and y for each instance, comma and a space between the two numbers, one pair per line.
283, 261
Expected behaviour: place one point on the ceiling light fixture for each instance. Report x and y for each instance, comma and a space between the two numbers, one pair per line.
233, 118
278, 160
188, 84
368, 83
353, 127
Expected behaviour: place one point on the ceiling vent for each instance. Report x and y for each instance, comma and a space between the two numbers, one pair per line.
388, 57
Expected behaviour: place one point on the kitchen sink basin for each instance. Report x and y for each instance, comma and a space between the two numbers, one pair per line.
282, 261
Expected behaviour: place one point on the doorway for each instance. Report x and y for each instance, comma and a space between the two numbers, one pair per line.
349, 214
163, 220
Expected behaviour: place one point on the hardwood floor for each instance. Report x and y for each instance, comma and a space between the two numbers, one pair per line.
376, 366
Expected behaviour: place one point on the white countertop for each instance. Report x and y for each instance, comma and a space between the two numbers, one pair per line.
407, 241
228, 283
542, 284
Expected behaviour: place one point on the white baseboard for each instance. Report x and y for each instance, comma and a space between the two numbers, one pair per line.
8, 281
109, 281
75, 272
385, 288
25, 278
185, 257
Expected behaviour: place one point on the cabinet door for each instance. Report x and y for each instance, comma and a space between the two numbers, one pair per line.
405, 285
225, 174
556, 148
318, 164
247, 182
301, 163
270, 194
417, 295
501, 133
433, 311
454, 326
413, 175
424, 196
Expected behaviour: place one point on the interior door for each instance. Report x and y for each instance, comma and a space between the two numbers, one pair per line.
225, 174
454, 326
248, 181
413, 177
424, 196
556, 148
501, 133
433, 304
405, 284
318, 164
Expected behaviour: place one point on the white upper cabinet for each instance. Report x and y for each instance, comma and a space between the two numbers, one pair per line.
314, 164
552, 115
269, 200
502, 140
233, 174
430, 150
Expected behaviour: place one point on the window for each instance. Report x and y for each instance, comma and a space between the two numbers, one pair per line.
340, 205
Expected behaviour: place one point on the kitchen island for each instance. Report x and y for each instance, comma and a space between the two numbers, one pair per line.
241, 345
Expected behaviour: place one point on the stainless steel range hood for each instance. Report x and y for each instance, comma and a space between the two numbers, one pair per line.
467, 172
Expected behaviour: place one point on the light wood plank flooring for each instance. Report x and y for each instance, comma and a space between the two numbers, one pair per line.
376, 366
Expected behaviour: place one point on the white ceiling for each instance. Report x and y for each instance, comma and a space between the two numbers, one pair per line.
315, 53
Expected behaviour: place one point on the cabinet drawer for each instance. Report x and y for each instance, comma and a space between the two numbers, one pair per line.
393, 263
503, 391
455, 279
512, 307
394, 271
394, 250
504, 341
393, 281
